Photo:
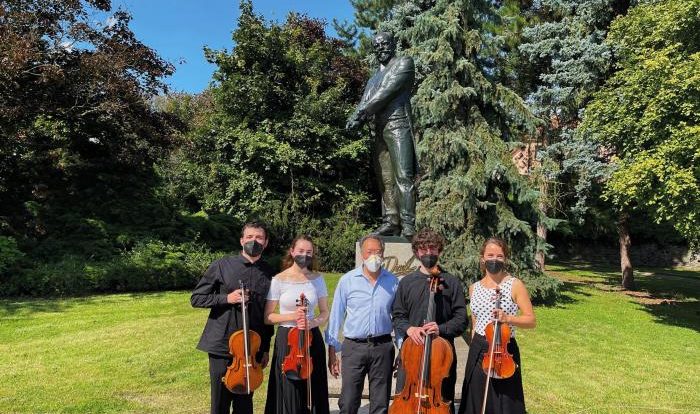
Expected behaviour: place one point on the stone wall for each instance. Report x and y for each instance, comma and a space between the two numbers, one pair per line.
652, 255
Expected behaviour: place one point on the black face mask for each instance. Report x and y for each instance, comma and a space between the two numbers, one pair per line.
494, 266
303, 261
428, 260
252, 248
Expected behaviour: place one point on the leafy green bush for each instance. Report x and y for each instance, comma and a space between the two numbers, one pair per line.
9, 253
336, 239
543, 289
155, 265
334, 236
150, 265
69, 275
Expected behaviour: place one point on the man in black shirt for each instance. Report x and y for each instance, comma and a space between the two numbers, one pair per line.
411, 306
219, 289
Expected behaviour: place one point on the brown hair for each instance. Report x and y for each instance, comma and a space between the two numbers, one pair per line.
498, 242
427, 237
288, 260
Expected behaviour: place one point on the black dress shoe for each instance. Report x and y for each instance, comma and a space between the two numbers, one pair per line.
388, 229
408, 231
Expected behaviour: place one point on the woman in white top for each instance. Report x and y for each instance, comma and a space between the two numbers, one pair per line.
286, 395
505, 396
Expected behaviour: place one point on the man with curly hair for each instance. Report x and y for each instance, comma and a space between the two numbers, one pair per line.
411, 305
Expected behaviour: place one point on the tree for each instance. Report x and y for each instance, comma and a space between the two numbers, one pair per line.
467, 124
273, 141
566, 46
76, 125
648, 113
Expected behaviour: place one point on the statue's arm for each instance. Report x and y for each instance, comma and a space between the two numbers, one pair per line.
358, 117
404, 74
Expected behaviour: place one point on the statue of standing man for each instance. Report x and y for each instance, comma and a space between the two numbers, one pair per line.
386, 105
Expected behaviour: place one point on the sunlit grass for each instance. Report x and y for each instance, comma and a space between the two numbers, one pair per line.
600, 351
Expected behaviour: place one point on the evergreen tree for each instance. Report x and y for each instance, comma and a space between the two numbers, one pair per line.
566, 47
467, 123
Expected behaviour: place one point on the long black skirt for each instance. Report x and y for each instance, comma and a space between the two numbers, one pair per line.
286, 396
505, 396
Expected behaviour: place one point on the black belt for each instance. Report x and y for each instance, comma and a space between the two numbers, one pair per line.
372, 339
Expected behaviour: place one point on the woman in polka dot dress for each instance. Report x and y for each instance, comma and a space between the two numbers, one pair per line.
505, 396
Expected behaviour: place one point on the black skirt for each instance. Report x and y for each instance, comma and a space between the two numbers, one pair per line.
505, 396
286, 396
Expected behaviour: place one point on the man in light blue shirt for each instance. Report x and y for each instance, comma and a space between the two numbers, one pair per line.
362, 306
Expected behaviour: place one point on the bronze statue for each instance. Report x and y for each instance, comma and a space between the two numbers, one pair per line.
386, 104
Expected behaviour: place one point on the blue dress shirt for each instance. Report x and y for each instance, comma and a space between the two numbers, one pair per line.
365, 309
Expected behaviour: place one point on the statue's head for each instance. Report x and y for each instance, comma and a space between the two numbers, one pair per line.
384, 47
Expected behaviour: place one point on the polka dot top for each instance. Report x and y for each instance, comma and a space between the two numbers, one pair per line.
483, 302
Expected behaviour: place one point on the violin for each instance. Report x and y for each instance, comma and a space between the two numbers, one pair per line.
297, 365
425, 366
244, 375
497, 363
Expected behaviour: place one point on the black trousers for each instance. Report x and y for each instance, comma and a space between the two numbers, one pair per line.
505, 396
223, 400
448, 384
374, 360
288, 396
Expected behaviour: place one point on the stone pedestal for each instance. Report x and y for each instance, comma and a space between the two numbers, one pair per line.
398, 256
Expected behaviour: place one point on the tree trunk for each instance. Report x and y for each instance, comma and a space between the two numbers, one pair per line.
539, 256
623, 232
541, 229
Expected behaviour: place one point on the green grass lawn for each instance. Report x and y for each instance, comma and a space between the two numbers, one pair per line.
600, 351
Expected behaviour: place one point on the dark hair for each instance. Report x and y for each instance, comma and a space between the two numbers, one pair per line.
288, 260
498, 242
372, 237
427, 237
254, 225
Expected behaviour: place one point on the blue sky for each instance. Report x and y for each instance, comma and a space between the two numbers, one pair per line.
179, 29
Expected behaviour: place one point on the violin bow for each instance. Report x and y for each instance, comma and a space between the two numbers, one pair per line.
492, 347
245, 338
307, 334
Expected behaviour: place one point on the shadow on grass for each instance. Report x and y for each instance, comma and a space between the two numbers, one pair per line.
569, 293
671, 296
17, 307
13, 307
683, 314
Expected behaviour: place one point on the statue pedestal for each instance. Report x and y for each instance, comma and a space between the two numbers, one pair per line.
398, 256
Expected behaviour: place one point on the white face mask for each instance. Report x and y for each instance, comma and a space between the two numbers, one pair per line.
373, 263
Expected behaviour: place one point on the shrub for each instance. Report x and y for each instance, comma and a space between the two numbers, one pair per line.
155, 265
9, 253
150, 265
543, 289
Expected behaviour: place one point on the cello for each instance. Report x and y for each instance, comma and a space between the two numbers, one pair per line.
497, 363
425, 366
244, 375
297, 365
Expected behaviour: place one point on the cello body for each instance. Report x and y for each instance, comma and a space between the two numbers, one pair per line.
425, 367
416, 396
